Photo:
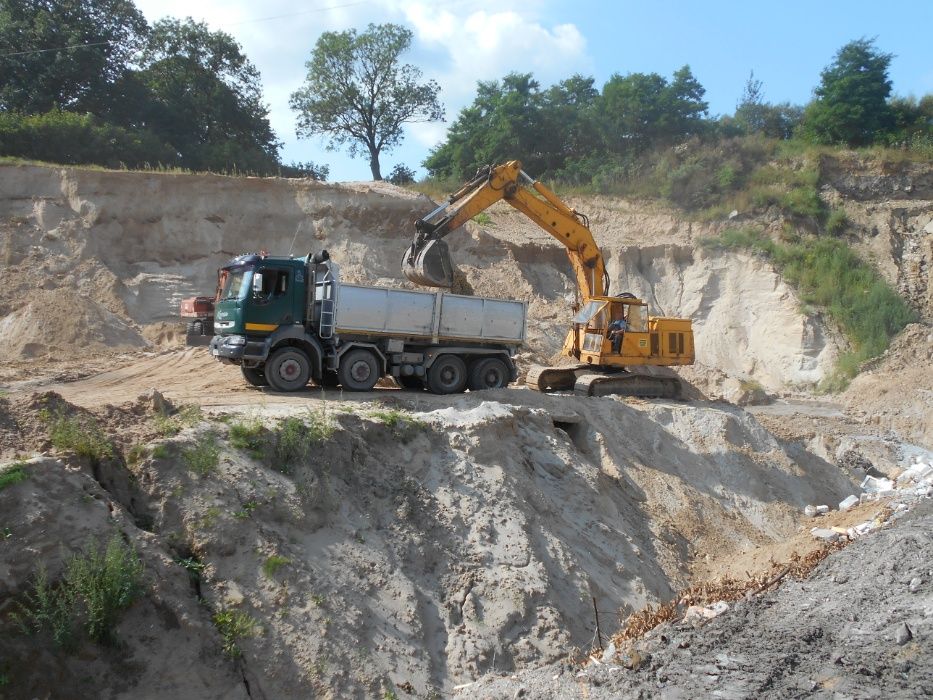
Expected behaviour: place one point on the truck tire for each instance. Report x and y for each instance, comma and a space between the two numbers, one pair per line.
448, 375
359, 370
288, 369
254, 376
491, 373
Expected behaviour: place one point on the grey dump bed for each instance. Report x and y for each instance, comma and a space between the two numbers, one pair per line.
434, 316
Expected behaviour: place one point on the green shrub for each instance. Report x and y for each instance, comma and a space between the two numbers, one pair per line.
836, 222
71, 139
203, 458
292, 443
160, 451
13, 474
233, 626
271, 565
97, 587
483, 219
248, 434
81, 435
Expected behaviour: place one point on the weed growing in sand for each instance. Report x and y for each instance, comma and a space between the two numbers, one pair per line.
81, 435
318, 600
97, 587
271, 565
246, 510
160, 452
402, 424
233, 626
248, 434
193, 566
203, 458
209, 518
136, 454
483, 219
13, 474
186, 416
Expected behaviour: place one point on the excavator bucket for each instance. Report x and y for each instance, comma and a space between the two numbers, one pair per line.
430, 267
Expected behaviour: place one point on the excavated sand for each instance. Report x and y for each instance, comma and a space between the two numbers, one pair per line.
137, 243
474, 540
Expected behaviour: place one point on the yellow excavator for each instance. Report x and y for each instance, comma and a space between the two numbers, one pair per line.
618, 348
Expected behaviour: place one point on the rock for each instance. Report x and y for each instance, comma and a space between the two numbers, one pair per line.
915, 584
519, 693
822, 510
848, 503
875, 485
903, 635
609, 653
822, 533
810, 511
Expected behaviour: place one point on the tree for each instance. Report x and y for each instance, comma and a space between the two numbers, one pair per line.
504, 122
202, 95
851, 101
642, 109
41, 73
755, 116
357, 93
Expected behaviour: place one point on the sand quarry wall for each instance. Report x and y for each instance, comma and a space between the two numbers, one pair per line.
137, 243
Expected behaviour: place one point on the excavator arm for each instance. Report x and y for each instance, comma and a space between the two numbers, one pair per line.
427, 260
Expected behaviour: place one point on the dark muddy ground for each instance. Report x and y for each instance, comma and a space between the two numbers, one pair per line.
860, 627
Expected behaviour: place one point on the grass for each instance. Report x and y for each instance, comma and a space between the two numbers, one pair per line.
246, 510
13, 474
830, 275
185, 416
203, 458
294, 437
271, 565
73, 433
402, 424
160, 452
248, 434
234, 625
483, 219
97, 587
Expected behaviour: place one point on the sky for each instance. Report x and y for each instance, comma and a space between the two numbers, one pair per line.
459, 42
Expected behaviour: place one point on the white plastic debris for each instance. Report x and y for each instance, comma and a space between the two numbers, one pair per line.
822, 510
874, 485
848, 503
608, 653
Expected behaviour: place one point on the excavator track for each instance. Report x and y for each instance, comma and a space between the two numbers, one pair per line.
553, 378
586, 380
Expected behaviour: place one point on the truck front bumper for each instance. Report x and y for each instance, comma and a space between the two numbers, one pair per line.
228, 348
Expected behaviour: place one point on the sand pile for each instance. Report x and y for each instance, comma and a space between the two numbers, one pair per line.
423, 544
63, 322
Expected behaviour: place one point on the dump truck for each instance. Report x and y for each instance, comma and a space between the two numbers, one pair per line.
287, 321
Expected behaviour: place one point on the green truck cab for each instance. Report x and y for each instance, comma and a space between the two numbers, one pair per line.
287, 321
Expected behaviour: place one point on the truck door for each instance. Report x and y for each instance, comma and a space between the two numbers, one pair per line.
271, 299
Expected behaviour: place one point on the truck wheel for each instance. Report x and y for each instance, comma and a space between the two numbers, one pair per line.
491, 373
254, 376
448, 375
359, 370
288, 369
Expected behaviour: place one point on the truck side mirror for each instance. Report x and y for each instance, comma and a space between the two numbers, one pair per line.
257, 283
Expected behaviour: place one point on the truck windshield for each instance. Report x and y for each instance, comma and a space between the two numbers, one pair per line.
236, 285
